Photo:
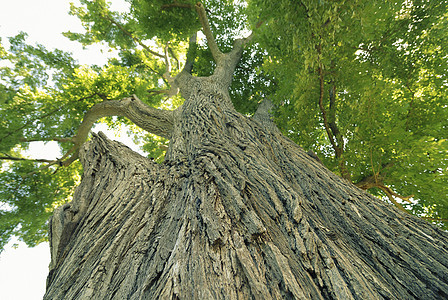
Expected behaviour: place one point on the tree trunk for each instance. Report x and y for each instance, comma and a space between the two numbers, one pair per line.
237, 211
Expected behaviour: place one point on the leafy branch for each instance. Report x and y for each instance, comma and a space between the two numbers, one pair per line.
107, 17
46, 115
333, 133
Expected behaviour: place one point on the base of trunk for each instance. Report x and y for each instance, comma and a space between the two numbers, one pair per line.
264, 221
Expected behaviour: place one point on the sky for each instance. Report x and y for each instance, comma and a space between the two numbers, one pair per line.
23, 270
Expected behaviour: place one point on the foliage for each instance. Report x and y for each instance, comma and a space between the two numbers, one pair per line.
379, 70
28, 200
360, 83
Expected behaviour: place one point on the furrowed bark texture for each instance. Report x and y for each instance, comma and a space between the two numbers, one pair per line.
236, 211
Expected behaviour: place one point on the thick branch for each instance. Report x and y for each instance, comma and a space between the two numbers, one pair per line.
173, 82
156, 121
208, 32
226, 62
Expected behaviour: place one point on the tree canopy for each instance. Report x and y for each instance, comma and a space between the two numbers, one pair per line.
361, 84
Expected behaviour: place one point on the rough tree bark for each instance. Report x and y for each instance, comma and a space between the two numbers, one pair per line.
236, 211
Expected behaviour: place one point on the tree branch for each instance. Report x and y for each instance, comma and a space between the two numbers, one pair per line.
47, 163
173, 82
334, 135
191, 54
174, 89
167, 74
389, 190
208, 32
173, 55
323, 111
13, 158
52, 139
332, 118
31, 121
252, 34
337, 134
156, 121
391, 198
377, 182
367, 182
373, 181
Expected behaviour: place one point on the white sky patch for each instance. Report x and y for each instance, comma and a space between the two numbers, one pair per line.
45, 21
23, 272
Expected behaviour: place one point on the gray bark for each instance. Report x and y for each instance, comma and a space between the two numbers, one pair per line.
236, 211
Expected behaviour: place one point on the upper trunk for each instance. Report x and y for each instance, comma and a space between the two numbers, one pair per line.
237, 211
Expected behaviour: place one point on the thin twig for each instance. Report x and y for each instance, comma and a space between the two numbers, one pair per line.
52, 139
44, 167
8, 157
391, 198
